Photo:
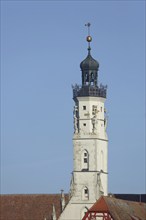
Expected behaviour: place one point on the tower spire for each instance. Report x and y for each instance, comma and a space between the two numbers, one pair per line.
88, 38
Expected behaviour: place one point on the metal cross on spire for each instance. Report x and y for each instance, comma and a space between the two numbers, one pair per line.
88, 25
89, 38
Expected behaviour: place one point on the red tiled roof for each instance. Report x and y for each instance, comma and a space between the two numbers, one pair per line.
100, 206
120, 209
29, 207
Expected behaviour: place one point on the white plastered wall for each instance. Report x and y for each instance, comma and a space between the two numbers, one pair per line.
95, 142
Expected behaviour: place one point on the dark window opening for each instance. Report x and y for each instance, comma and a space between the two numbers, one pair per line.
86, 191
84, 107
85, 160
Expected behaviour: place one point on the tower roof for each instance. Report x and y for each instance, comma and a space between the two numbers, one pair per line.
89, 63
89, 68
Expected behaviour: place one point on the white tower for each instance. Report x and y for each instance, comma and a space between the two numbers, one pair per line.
89, 177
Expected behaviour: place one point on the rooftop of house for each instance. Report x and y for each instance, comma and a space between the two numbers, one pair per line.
117, 209
40, 206
30, 206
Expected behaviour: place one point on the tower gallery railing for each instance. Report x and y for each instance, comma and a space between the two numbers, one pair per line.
96, 91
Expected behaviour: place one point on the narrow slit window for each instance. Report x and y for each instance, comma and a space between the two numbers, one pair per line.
85, 161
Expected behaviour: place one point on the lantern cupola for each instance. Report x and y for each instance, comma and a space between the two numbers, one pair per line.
89, 68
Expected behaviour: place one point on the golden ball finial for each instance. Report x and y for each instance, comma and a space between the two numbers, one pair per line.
89, 38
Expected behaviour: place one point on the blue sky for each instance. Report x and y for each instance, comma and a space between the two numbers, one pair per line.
42, 45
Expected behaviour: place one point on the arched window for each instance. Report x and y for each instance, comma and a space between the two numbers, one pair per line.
92, 78
85, 160
85, 193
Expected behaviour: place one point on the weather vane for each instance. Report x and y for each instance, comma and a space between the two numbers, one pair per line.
89, 38
88, 25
